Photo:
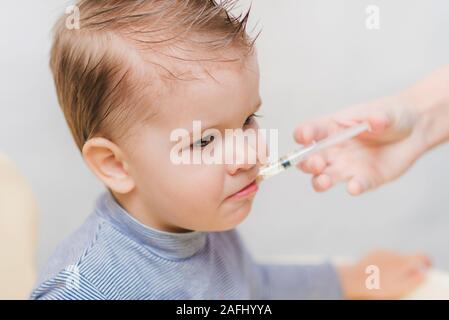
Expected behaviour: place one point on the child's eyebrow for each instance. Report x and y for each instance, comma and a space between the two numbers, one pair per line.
255, 109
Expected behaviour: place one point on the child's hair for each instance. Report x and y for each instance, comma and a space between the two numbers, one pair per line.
99, 68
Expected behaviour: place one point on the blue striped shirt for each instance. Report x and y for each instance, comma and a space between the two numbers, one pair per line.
113, 256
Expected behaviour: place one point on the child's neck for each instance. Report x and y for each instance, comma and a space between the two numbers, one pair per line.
134, 205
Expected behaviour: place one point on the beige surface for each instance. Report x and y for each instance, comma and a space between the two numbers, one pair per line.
18, 214
436, 287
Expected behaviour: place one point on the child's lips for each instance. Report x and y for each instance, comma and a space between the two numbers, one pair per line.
246, 191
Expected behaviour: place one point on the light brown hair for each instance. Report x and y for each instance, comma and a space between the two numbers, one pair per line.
98, 69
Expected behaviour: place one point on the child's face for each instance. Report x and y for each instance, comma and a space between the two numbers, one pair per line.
202, 196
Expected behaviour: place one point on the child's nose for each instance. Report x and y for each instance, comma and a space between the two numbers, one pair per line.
245, 158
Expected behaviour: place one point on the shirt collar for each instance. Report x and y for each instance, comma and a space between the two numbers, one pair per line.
170, 245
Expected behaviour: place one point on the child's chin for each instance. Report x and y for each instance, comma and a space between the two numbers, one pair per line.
235, 217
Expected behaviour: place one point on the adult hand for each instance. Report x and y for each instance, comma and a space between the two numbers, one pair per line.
373, 158
403, 127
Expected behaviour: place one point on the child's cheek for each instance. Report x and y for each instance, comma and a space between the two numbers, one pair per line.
204, 182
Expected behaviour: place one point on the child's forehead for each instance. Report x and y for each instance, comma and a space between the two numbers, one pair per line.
210, 92
220, 94
176, 65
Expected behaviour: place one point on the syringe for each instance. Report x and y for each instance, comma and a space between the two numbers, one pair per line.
293, 158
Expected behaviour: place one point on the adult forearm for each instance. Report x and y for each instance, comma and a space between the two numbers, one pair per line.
430, 99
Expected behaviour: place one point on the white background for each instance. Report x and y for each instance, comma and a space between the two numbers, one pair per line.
316, 56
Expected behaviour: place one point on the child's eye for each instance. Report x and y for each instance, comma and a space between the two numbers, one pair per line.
203, 142
251, 119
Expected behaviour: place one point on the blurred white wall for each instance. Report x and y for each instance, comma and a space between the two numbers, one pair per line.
316, 56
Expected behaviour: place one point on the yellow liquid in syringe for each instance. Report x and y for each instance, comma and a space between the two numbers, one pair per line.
283, 163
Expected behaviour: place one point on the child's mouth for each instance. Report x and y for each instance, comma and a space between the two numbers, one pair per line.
246, 191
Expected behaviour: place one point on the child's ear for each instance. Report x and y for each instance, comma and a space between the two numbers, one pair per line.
107, 162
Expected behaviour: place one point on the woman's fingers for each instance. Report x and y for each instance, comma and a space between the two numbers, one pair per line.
420, 261
314, 165
357, 185
329, 168
322, 182
377, 120
312, 131
305, 134
325, 179
378, 123
317, 165
319, 129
